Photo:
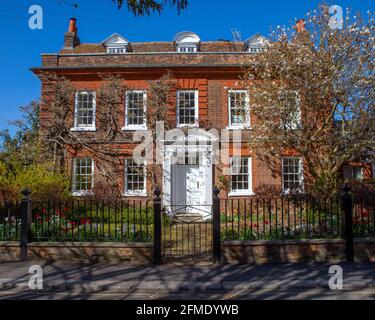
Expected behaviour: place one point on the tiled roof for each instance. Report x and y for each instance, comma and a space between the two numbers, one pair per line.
143, 47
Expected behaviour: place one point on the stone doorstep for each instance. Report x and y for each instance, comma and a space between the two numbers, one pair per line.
195, 286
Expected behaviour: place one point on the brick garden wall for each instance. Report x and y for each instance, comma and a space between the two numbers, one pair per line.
137, 253
233, 252
295, 251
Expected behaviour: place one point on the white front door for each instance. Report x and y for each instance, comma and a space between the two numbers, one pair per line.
186, 186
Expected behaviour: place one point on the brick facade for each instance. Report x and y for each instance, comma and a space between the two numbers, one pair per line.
214, 70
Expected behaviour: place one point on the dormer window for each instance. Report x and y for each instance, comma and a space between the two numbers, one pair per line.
187, 42
187, 49
116, 50
116, 44
255, 44
254, 50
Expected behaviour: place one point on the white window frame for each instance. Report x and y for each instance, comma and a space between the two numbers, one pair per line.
80, 193
88, 128
133, 127
238, 192
138, 193
196, 99
247, 123
184, 48
123, 50
297, 124
300, 173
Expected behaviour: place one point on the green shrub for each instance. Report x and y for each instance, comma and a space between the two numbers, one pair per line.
41, 179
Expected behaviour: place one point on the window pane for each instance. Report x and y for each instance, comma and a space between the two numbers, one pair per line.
85, 109
240, 174
186, 105
135, 108
135, 176
238, 107
292, 174
83, 175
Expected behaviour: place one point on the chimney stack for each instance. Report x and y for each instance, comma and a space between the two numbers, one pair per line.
300, 25
302, 36
71, 39
72, 25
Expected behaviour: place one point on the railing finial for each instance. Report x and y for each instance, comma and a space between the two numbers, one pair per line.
26, 192
157, 191
216, 191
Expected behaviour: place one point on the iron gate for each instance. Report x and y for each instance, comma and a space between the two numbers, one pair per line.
187, 232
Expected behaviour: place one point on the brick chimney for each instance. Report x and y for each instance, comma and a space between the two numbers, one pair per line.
300, 25
71, 39
302, 37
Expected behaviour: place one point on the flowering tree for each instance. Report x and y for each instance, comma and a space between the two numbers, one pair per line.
312, 91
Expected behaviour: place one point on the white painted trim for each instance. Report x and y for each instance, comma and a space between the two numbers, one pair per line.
123, 48
186, 37
128, 127
249, 191
80, 193
196, 99
245, 127
138, 193
183, 46
240, 194
134, 128
135, 194
110, 39
90, 128
247, 123
205, 168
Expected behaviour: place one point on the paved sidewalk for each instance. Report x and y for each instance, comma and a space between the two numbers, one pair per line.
121, 281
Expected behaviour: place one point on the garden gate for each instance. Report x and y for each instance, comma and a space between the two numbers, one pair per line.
187, 231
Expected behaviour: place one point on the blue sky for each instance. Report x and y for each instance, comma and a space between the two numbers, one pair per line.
20, 47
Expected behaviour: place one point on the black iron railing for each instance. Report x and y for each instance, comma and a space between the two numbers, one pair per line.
80, 220
10, 221
300, 217
294, 217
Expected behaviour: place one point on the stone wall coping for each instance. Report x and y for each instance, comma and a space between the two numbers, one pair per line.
9, 244
150, 244
79, 244
293, 242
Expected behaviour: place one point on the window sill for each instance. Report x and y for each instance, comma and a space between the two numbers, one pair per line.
135, 194
292, 192
82, 193
239, 128
134, 128
83, 129
241, 194
181, 126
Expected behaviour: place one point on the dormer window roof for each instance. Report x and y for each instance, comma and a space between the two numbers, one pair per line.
116, 44
255, 44
187, 41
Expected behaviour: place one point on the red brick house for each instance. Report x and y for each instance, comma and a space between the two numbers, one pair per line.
209, 90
